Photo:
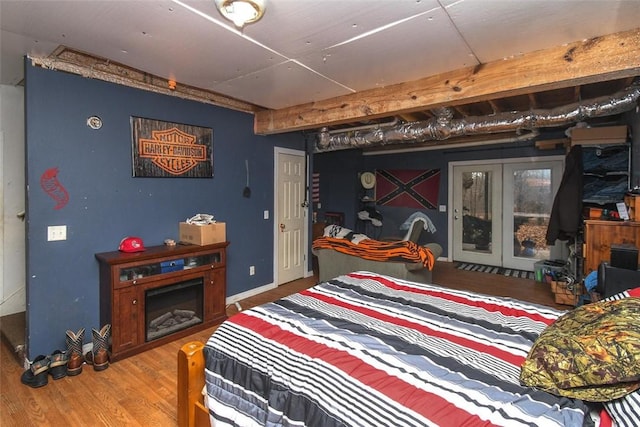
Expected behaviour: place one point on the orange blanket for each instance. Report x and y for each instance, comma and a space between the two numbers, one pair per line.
376, 250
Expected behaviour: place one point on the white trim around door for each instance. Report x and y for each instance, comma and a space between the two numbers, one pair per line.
279, 151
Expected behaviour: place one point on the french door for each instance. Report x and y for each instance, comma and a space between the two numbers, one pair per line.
501, 209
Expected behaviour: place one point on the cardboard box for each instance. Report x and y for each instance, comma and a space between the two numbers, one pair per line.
592, 213
633, 204
203, 234
599, 136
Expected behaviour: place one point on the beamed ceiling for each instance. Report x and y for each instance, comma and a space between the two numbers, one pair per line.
306, 65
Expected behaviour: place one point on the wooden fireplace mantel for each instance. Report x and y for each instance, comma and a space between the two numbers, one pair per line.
126, 277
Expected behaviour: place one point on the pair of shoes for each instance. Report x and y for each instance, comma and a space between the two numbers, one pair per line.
37, 374
99, 355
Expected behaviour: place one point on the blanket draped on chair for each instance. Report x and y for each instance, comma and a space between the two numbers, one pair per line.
376, 250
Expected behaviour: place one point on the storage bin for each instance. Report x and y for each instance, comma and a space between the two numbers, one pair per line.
546, 270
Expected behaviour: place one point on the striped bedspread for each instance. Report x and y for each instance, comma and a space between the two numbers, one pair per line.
369, 350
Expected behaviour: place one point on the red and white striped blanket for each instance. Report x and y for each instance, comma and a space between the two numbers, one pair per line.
370, 350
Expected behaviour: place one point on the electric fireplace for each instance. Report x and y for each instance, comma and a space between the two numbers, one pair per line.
172, 308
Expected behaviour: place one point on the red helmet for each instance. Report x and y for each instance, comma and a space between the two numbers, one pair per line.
131, 244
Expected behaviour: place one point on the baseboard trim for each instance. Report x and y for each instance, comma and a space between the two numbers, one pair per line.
251, 292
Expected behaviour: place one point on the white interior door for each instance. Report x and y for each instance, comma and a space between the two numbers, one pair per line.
290, 215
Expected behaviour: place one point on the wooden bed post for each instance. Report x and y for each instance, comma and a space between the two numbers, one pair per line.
191, 409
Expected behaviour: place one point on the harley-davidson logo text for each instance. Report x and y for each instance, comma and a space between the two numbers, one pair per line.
172, 150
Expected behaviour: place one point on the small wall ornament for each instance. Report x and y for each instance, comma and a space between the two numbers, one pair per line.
94, 122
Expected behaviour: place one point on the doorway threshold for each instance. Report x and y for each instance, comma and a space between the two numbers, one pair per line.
13, 330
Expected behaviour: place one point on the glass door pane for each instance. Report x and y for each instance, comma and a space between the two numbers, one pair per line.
528, 192
476, 211
477, 226
532, 197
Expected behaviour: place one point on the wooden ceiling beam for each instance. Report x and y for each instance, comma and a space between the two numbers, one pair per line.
595, 60
91, 66
494, 106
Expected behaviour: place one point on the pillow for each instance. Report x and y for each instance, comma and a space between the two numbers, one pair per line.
591, 353
337, 232
626, 410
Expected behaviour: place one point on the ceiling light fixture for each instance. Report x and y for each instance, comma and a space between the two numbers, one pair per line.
241, 12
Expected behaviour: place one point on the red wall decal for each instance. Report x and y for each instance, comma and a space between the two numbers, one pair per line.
50, 184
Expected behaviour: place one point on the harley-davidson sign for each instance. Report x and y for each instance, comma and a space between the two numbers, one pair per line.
162, 149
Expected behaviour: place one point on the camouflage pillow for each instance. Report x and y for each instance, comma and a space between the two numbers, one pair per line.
591, 353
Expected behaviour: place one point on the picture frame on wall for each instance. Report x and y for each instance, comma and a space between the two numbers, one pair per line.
334, 218
171, 150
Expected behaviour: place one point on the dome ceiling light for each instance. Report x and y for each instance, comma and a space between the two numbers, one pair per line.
241, 12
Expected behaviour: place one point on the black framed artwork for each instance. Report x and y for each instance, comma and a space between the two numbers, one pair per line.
166, 149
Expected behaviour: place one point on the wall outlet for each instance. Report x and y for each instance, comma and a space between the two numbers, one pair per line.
252, 270
56, 232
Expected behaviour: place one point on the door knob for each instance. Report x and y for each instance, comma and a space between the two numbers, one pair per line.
281, 227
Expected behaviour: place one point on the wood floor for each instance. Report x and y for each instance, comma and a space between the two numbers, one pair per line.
141, 390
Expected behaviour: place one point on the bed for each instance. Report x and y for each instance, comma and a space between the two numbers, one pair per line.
368, 350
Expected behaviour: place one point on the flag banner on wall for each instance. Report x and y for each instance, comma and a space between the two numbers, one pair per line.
165, 149
315, 187
407, 188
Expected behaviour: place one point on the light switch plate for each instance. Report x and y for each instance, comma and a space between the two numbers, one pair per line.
56, 232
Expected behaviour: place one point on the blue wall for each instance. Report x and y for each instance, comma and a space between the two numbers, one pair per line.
106, 203
339, 183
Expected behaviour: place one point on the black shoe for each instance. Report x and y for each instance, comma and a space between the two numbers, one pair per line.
36, 375
58, 365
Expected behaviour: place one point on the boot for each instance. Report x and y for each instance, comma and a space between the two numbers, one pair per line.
99, 356
74, 352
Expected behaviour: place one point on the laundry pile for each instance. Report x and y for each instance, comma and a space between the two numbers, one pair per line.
371, 214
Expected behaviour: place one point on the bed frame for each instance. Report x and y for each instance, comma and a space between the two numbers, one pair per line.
191, 409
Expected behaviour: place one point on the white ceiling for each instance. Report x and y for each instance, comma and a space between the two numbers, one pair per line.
302, 50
